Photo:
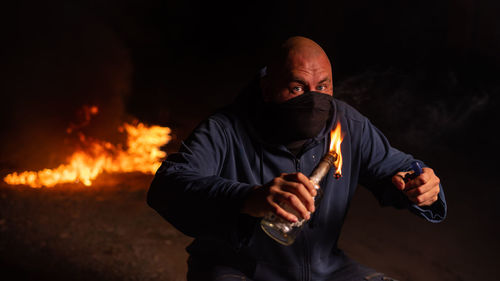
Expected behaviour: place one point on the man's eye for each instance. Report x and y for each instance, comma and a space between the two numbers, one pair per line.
321, 88
297, 89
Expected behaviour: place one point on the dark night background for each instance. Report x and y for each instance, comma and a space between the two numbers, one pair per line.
427, 73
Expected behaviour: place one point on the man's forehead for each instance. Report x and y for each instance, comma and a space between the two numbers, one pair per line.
307, 63
301, 73
317, 73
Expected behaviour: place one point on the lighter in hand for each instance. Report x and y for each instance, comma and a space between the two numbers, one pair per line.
417, 171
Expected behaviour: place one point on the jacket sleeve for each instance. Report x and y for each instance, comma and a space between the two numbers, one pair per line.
189, 193
380, 162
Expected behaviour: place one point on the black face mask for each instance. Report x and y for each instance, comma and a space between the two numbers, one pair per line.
298, 118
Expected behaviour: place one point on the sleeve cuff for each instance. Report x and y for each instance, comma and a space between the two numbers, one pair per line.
434, 213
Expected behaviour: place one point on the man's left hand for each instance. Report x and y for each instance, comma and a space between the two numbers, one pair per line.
422, 190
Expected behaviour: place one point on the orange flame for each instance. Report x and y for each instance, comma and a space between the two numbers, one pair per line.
143, 154
336, 138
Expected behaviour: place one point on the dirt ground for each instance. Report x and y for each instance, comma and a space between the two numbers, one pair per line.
107, 232
104, 232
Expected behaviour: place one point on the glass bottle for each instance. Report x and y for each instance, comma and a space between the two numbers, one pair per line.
285, 232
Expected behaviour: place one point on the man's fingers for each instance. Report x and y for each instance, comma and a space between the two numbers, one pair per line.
425, 194
425, 183
418, 185
301, 178
429, 196
427, 177
421, 199
422, 189
307, 183
292, 204
279, 211
302, 193
289, 196
428, 202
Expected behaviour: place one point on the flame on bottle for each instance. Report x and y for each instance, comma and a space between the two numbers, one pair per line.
336, 138
141, 154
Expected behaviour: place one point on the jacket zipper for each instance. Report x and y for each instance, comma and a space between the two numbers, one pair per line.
307, 266
297, 164
307, 262
317, 204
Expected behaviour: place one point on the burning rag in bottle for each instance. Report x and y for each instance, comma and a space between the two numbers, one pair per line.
285, 232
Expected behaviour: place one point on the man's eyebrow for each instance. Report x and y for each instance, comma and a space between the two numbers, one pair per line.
299, 80
326, 79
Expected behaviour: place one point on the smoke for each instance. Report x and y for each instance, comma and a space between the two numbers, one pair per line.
421, 108
58, 59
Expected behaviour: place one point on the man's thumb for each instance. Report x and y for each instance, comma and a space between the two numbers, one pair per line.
398, 180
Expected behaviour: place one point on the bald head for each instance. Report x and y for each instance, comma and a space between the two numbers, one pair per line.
300, 65
295, 50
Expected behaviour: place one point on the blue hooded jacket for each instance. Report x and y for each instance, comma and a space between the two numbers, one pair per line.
200, 190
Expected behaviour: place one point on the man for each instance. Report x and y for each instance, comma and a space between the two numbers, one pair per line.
249, 159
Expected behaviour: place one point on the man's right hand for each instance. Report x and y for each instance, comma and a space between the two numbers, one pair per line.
294, 190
